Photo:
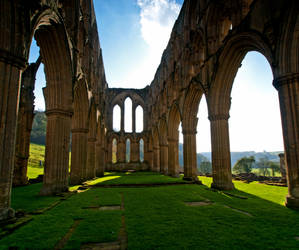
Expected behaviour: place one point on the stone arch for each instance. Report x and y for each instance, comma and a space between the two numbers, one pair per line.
128, 122
114, 150
51, 35
128, 149
218, 100
139, 127
156, 149
79, 132
163, 143
286, 81
141, 144
91, 142
174, 119
192, 99
229, 62
114, 120
99, 155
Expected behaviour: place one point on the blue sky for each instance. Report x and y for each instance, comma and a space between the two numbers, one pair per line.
133, 35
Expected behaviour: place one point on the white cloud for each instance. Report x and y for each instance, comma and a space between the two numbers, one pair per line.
157, 18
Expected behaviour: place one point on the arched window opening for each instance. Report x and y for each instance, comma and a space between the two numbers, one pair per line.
181, 148
255, 123
116, 118
139, 119
39, 123
141, 150
128, 150
203, 139
114, 151
128, 115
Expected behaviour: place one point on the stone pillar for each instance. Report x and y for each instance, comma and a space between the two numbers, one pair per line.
25, 120
109, 153
24, 124
57, 152
288, 90
190, 158
156, 163
151, 159
134, 150
173, 157
282, 168
133, 118
164, 158
91, 150
121, 150
79, 155
122, 119
221, 162
99, 159
10, 70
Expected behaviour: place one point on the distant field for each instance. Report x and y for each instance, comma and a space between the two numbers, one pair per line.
37, 154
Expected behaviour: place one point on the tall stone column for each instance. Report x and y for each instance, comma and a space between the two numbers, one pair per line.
151, 160
133, 118
79, 155
10, 70
91, 150
109, 153
122, 119
173, 157
190, 159
221, 161
288, 90
134, 151
99, 159
282, 168
24, 124
164, 158
57, 152
156, 164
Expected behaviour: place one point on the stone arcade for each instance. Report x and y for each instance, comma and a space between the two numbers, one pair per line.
207, 44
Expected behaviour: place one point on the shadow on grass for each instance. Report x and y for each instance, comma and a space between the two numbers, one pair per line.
158, 218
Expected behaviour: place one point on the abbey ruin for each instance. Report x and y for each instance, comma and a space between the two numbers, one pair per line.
207, 44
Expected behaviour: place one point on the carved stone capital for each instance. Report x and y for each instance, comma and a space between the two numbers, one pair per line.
218, 117
9, 58
285, 80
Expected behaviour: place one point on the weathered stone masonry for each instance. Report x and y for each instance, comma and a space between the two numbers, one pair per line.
207, 44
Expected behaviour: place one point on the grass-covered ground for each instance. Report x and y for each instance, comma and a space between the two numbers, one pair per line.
36, 154
158, 217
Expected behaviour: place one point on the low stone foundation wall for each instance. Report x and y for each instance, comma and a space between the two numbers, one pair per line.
120, 167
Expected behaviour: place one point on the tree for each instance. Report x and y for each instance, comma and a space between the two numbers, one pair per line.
205, 167
263, 165
244, 165
274, 166
38, 132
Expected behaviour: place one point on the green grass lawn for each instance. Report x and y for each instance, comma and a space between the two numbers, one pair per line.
134, 178
158, 218
36, 154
